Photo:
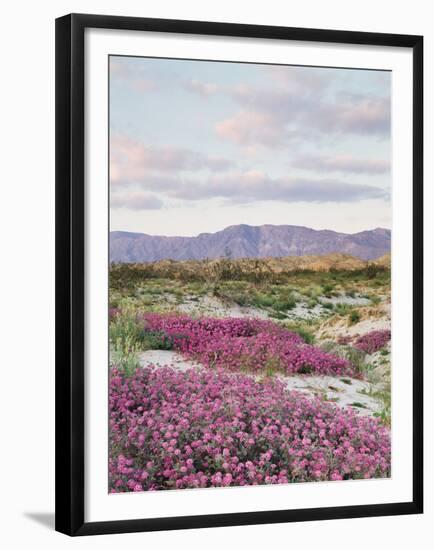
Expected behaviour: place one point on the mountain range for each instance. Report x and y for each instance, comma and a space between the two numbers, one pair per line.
246, 241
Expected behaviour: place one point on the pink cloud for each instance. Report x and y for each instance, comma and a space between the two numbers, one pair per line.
249, 127
298, 107
134, 162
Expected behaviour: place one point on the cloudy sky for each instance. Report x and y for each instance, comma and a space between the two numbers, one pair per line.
197, 146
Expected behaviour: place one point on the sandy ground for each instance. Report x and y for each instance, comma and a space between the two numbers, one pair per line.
212, 306
347, 300
345, 392
162, 358
379, 319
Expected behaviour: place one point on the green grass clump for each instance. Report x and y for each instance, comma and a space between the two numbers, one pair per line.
263, 300
146, 300
125, 356
239, 298
384, 398
128, 337
278, 315
354, 317
343, 309
307, 335
327, 290
375, 300
284, 303
125, 328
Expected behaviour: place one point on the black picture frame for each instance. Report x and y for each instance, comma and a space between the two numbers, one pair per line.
70, 263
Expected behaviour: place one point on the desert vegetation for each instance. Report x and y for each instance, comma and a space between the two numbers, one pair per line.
243, 372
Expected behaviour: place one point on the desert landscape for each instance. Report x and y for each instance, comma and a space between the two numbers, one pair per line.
249, 371
250, 274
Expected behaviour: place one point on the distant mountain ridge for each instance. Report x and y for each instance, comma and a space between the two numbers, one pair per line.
246, 241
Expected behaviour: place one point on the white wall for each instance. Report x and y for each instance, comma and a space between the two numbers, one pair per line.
27, 248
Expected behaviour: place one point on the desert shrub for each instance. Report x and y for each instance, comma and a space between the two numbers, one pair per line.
372, 270
279, 315
157, 340
126, 340
125, 276
354, 317
125, 328
375, 300
284, 303
124, 355
385, 414
263, 300
128, 337
146, 299
154, 290
239, 298
343, 309
327, 289
307, 335
174, 430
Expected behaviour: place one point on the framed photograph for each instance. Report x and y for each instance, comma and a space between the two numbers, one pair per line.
238, 274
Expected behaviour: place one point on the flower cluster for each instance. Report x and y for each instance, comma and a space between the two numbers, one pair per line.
252, 345
208, 428
373, 341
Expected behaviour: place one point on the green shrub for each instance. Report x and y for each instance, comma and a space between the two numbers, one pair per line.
343, 309
372, 271
124, 328
238, 297
306, 334
123, 354
284, 303
354, 317
157, 340
263, 300
327, 289
278, 315
312, 303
